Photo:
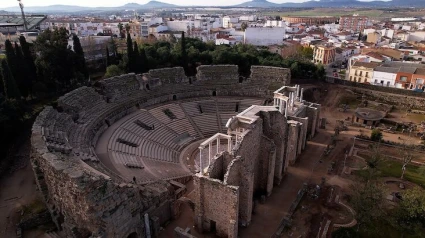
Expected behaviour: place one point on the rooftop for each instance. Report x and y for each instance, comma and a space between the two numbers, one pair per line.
366, 64
369, 114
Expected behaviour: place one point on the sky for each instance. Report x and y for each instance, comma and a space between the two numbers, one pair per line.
111, 3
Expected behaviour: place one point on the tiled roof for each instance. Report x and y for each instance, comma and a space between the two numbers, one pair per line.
420, 71
366, 64
386, 69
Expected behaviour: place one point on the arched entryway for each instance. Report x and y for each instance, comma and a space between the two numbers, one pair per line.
132, 235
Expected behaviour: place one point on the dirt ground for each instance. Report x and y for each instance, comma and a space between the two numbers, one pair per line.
16, 191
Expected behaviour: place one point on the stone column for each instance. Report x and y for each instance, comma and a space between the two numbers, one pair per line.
148, 228
200, 160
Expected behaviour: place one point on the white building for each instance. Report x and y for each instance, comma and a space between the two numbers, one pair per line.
180, 25
264, 35
226, 41
228, 21
331, 28
275, 24
384, 76
417, 36
248, 18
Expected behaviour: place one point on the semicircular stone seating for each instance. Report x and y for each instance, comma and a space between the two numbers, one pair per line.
151, 118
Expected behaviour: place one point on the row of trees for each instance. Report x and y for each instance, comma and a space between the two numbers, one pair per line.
190, 53
43, 70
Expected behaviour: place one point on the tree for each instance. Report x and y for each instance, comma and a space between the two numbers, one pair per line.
295, 70
410, 214
121, 28
183, 52
127, 28
13, 62
81, 61
376, 135
108, 59
21, 75
244, 25
57, 65
1, 86
144, 60
29, 59
113, 70
368, 201
130, 54
138, 59
406, 154
10, 88
320, 72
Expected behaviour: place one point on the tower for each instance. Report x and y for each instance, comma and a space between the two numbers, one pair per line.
21, 5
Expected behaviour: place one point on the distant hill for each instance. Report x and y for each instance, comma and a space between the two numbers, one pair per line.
258, 4
46, 9
334, 3
70, 8
252, 3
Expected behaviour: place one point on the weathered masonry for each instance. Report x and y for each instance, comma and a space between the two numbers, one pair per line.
86, 197
262, 142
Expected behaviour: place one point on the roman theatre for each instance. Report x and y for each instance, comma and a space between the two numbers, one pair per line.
114, 159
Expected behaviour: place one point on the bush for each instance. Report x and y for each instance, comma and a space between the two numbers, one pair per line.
376, 135
113, 70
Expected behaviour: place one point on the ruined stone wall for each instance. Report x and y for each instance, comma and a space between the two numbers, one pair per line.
118, 87
293, 140
275, 127
265, 167
402, 98
249, 152
216, 203
83, 201
304, 130
218, 73
313, 115
169, 75
271, 74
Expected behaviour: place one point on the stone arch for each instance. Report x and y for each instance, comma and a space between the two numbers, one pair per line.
174, 97
133, 235
214, 93
147, 87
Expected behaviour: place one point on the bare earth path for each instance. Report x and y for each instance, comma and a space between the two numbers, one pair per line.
16, 190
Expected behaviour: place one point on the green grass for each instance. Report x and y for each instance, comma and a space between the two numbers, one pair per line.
392, 168
2, 56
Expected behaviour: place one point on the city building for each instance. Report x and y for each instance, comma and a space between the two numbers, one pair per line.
362, 72
311, 20
384, 76
353, 23
324, 54
263, 36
